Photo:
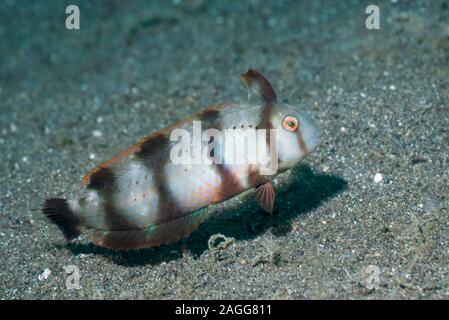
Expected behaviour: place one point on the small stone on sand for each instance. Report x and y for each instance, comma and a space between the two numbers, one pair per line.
44, 275
378, 177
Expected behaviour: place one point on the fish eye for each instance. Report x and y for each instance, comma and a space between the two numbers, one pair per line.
290, 123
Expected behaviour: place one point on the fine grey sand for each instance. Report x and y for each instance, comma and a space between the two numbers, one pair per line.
70, 99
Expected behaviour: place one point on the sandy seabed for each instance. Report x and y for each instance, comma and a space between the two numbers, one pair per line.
375, 192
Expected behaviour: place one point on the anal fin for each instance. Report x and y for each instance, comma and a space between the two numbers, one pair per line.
152, 236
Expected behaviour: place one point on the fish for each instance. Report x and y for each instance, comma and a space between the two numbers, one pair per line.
158, 191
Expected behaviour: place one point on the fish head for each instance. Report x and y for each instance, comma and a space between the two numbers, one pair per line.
297, 134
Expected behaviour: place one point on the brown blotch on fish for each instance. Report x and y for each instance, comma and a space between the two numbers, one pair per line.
156, 155
101, 178
209, 114
151, 147
114, 219
230, 184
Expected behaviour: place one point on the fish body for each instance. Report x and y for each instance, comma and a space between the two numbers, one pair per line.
155, 192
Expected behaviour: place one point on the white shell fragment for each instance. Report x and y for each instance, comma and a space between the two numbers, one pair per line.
378, 177
44, 275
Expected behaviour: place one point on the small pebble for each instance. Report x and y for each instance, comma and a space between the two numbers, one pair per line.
97, 133
378, 177
92, 156
44, 275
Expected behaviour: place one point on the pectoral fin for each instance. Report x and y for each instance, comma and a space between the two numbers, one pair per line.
265, 196
259, 86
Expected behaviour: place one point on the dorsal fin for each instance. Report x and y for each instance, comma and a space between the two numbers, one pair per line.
259, 86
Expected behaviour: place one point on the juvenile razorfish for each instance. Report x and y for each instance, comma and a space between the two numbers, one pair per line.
143, 198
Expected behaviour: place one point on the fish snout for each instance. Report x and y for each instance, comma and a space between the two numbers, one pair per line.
311, 134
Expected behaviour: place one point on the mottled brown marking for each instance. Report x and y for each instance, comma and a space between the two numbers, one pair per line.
114, 219
104, 182
168, 208
149, 148
110, 162
101, 179
230, 184
136, 148
155, 154
254, 178
211, 116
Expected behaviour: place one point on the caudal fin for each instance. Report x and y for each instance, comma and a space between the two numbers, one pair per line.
59, 212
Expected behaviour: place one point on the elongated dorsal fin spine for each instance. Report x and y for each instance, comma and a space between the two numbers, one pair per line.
259, 86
